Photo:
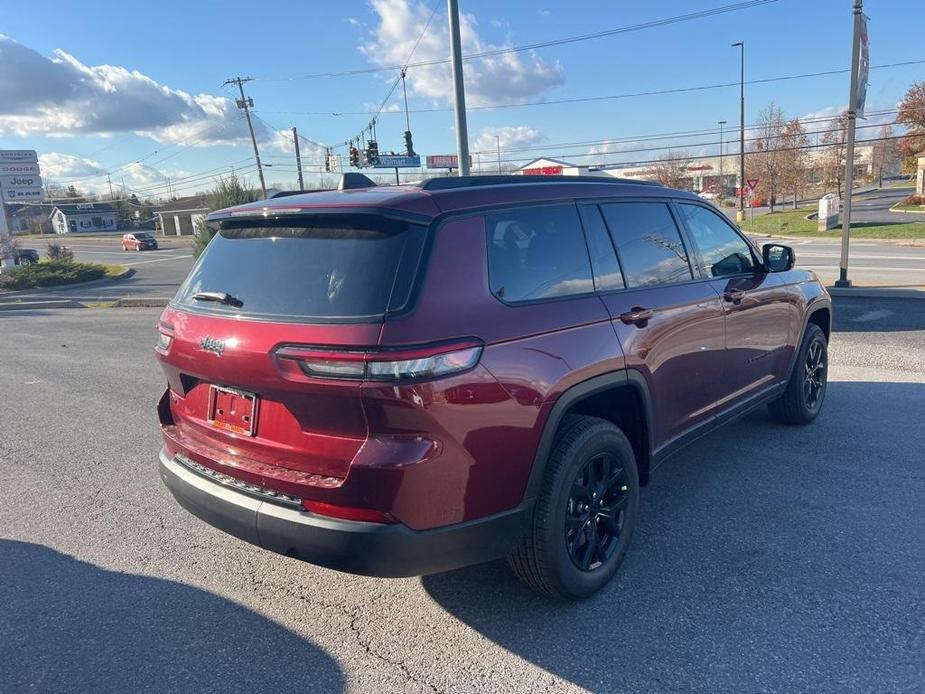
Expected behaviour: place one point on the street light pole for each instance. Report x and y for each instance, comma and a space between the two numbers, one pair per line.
740, 217
843, 280
722, 184
498, 143
459, 89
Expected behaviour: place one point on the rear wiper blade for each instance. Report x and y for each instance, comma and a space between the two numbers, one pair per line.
219, 297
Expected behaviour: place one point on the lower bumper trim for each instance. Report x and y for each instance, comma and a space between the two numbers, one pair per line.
371, 549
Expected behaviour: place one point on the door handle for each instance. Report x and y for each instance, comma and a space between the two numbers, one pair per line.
734, 296
637, 316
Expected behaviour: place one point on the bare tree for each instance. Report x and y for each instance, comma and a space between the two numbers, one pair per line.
764, 162
671, 168
885, 156
833, 156
794, 167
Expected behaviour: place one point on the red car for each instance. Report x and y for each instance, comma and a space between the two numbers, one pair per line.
139, 241
403, 380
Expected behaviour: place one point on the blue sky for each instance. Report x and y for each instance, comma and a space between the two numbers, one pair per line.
159, 109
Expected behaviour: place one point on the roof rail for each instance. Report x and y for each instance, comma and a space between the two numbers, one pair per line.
452, 182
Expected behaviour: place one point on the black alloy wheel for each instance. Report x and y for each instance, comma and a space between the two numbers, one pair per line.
596, 512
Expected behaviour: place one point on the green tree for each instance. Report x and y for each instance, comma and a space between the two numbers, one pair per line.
228, 192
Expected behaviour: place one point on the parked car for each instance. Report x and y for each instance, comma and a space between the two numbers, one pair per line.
708, 195
139, 241
25, 256
405, 380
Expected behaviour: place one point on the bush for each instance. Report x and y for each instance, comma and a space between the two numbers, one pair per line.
51, 273
57, 252
914, 200
729, 203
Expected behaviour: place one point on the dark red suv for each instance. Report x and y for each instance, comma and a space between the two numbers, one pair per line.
403, 380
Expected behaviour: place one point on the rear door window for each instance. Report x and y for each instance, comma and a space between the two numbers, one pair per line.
322, 267
648, 243
537, 253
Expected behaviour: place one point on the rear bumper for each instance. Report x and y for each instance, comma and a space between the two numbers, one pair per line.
371, 549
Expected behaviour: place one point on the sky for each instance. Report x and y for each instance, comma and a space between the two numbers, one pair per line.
136, 90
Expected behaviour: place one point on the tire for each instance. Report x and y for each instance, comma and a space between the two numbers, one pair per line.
551, 558
802, 400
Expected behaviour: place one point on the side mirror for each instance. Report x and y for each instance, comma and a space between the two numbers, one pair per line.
777, 257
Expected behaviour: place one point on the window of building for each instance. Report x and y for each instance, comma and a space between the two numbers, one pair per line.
537, 253
648, 243
722, 250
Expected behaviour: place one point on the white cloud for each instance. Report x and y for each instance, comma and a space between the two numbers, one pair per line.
60, 96
56, 164
509, 77
545, 13
510, 136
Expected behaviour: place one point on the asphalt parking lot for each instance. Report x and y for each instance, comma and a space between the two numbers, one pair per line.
767, 558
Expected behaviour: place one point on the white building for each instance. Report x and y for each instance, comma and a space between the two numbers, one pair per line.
73, 218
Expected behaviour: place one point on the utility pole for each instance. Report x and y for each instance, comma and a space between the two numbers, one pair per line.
459, 89
498, 143
843, 280
298, 157
6, 247
246, 104
740, 217
109, 181
722, 183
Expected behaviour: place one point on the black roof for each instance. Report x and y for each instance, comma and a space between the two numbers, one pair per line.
85, 207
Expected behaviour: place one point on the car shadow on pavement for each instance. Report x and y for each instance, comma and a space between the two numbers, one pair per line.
767, 558
877, 315
66, 625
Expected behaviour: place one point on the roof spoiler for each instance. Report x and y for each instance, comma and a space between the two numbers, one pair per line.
351, 180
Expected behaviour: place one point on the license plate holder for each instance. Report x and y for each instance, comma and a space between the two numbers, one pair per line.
233, 410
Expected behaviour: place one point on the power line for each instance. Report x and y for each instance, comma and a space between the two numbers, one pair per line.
540, 44
606, 97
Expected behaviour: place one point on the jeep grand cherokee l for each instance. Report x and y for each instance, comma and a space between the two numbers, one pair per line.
403, 380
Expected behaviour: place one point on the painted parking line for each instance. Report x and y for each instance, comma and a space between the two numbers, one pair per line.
156, 260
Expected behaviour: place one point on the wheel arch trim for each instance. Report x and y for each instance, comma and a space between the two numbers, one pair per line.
623, 378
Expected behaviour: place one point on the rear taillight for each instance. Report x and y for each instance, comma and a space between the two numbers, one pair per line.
428, 361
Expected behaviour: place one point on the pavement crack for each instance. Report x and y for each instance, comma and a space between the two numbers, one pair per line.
353, 617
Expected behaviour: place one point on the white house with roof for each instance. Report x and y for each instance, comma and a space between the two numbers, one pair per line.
76, 217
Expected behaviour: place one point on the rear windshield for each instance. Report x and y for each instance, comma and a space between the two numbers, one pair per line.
325, 268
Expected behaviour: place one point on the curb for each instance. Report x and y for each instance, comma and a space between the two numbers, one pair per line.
141, 302
877, 292
48, 290
893, 209
38, 305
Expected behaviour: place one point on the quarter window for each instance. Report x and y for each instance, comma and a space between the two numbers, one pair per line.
537, 253
648, 243
722, 251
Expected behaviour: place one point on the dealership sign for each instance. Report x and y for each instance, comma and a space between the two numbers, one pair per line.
19, 169
18, 156
19, 176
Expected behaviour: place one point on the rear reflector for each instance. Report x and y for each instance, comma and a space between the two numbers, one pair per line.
428, 361
346, 512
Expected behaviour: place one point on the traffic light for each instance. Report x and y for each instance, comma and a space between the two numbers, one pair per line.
354, 156
409, 145
372, 152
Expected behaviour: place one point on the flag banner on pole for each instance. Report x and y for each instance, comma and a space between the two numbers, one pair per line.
863, 69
